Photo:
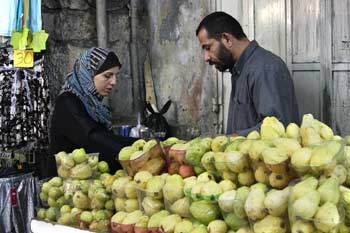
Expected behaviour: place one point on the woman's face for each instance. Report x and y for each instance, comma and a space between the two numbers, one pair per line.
105, 81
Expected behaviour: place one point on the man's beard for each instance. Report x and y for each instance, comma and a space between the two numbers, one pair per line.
225, 59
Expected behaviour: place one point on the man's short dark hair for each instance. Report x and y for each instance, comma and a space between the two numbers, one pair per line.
219, 22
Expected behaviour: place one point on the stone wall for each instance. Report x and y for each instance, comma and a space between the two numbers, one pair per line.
165, 31
178, 69
71, 25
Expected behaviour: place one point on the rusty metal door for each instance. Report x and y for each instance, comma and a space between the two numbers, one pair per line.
313, 38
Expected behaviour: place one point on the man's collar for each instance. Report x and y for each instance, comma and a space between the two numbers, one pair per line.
237, 68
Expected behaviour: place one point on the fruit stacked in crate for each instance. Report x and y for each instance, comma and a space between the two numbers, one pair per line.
143, 156
52, 197
77, 165
239, 184
81, 195
316, 205
137, 199
345, 199
176, 162
163, 207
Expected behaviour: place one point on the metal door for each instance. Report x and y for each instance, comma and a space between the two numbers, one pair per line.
313, 38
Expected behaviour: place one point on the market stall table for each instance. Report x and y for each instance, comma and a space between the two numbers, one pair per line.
38, 226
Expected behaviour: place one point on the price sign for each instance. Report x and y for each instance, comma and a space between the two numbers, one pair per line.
23, 58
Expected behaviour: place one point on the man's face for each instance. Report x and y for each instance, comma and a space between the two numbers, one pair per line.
215, 52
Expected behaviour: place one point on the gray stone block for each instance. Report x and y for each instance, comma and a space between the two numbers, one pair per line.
118, 27
75, 4
77, 25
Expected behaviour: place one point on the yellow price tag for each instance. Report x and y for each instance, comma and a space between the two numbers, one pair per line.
23, 58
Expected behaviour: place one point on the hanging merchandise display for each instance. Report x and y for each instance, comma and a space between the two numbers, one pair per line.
38, 42
19, 39
24, 110
12, 12
24, 104
34, 22
18, 198
27, 33
26, 39
24, 91
8, 12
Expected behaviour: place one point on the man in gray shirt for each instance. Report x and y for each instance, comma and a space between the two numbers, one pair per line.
261, 83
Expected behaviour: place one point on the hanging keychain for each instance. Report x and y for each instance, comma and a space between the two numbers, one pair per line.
6, 159
14, 92
20, 38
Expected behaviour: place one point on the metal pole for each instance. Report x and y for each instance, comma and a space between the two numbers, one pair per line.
136, 77
101, 23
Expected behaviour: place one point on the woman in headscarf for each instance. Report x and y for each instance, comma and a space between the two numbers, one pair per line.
79, 118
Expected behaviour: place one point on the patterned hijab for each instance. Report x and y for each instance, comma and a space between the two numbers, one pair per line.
80, 82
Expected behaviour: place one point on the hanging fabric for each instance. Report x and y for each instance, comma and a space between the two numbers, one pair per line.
18, 196
19, 15
24, 105
24, 92
28, 33
34, 22
9, 16
25, 12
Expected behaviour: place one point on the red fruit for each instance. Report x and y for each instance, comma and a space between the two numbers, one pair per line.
186, 171
128, 228
140, 229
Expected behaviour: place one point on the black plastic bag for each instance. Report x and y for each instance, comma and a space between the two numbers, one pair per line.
156, 122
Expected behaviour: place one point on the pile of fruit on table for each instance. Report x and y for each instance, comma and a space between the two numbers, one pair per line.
278, 180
